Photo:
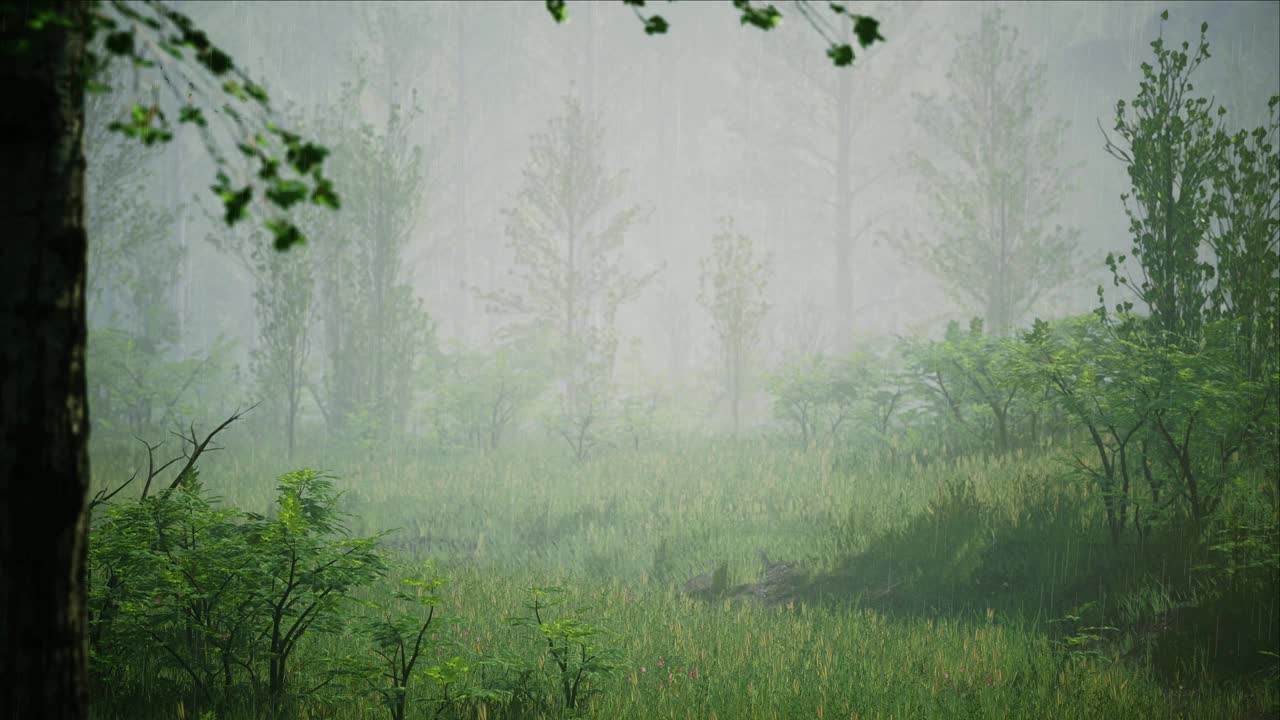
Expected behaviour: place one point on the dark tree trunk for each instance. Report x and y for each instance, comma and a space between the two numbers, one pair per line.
44, 464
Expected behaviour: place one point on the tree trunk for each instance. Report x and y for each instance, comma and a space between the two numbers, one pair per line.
44, 463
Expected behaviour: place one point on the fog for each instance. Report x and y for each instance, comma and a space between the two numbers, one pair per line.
746, 381
712, 119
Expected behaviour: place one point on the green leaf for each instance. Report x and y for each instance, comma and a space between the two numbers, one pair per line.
655, 25
192, 114
234, 202
285, 193
304, 157
218, 62
285, 234
841, 55
765, 18
867, 29
257, 92
558, 11
324, 195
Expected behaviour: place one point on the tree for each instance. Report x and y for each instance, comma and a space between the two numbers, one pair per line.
1172, 148
734, 278
1090, 373
567, 240
47, 64
374, 331
1204, 213
992, 199
968, 378
478, 396
822, 129
283, 303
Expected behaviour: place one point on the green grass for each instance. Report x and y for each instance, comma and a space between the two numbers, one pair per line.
928, 591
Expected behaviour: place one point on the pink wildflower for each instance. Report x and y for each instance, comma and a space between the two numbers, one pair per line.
642, 668
157, 601
693, 674
988, 682
661, 662
946, 676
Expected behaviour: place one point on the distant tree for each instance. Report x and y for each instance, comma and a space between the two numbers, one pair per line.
995, 189
734, 278
823, 127
374, 331
478, 397
566, 235
284, 303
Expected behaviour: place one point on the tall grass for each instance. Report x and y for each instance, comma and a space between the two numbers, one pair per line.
952, 589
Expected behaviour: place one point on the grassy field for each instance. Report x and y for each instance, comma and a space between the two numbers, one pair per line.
847, 587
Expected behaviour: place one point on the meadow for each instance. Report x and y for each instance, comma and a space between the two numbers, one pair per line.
757, 579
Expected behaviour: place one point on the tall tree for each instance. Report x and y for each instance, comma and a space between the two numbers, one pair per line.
995, 187
734, 278
44, 459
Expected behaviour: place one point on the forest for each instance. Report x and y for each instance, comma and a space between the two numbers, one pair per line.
627, 360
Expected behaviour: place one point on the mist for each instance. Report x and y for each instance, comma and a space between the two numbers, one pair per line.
749, 385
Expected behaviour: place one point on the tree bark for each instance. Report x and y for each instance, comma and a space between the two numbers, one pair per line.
44, 463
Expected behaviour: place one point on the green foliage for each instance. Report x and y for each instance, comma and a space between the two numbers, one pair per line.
398, 641
1172, 147
139, 375
136, 388
817, 395
580, 660
826, 399
478, 397
220, 596
1202, 201
200, 73
968, 381
865, 28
